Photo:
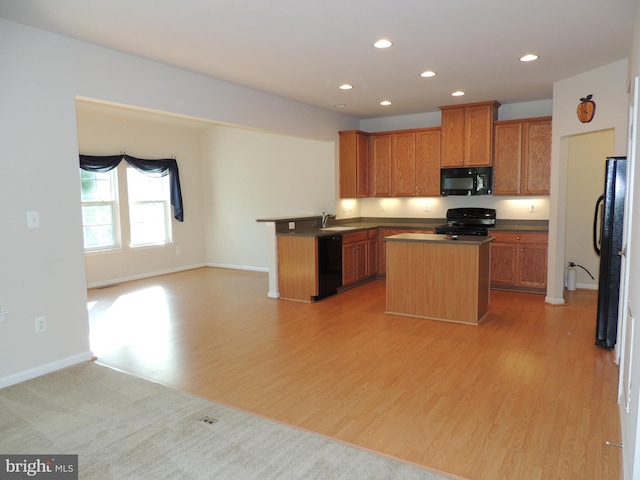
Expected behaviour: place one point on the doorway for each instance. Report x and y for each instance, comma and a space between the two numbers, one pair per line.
587, 154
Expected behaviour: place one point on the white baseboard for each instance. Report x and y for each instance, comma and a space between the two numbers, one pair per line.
554, 301
143, 275
44, 369
238, 267
172, 270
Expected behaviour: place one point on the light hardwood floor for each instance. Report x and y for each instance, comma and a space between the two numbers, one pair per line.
524, 395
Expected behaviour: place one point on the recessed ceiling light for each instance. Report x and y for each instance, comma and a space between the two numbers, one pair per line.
382, 43
385, 103
340, 105
530, 57
428, 74
346, 86
459, 93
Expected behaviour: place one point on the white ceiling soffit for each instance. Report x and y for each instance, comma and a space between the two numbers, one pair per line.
304, 50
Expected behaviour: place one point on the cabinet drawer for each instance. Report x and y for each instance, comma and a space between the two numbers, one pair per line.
519, 237
354, 237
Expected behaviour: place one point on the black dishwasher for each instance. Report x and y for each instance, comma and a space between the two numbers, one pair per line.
329, 265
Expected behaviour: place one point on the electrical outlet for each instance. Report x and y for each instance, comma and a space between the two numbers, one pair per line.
41, 324
532, 208
426, 208
292, 225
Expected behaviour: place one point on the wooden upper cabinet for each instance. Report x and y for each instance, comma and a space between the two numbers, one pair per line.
507, 158
452, 137
428, 162
467, 134
354, 164
381, 146
536, 158
403, 156
522, 156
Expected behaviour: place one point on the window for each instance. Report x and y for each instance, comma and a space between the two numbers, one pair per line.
149, 208
99, 210
144, 200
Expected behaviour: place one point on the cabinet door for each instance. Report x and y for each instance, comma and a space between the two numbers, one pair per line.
532, 265
362, 165
403, 154
428, 162
354, 164
536, 160
478, 134
347, 164
372, 257
452, 140
381, 165
507, 159
361, 261
349, 264
503, 263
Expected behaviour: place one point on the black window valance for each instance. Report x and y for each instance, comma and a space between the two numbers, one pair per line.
154, 168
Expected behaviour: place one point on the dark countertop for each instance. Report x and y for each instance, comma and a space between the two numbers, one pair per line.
354, 225
436, 238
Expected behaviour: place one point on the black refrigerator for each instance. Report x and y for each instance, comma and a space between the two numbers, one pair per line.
607, 242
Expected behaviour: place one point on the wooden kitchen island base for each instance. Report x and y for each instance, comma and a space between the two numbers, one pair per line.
436, 277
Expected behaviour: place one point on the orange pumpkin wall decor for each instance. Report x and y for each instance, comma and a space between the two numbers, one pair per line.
586, 109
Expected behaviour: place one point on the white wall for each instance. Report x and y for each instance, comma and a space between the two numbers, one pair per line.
586, 160
539, 108
43, 270
507, 208
630, 360
106, 130
251, 175
609, 87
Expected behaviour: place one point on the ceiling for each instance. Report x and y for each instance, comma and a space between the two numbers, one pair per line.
303, 50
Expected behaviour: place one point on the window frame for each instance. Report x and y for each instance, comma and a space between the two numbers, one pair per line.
113, 203
165, 201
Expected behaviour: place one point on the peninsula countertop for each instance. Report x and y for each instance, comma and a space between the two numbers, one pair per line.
308, 228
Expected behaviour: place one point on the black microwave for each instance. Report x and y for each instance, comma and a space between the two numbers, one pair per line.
466, 181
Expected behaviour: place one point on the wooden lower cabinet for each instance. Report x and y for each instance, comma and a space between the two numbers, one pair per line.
358, 256
519, 261
372, 252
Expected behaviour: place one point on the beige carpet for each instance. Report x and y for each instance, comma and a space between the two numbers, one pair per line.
123, 427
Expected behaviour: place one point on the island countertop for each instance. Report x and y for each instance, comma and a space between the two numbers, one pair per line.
439, 238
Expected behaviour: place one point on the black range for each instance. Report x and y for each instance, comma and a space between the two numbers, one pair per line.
468, 221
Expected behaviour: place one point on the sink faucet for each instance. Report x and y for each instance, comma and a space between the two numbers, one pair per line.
325, 218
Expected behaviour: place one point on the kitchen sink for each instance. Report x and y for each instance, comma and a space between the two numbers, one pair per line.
337, 229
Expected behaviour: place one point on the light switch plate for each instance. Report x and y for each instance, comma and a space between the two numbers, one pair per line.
33, 219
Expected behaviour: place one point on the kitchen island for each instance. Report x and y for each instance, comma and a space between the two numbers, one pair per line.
439, 277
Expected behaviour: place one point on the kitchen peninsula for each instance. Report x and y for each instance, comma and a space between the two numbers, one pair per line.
439, 277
